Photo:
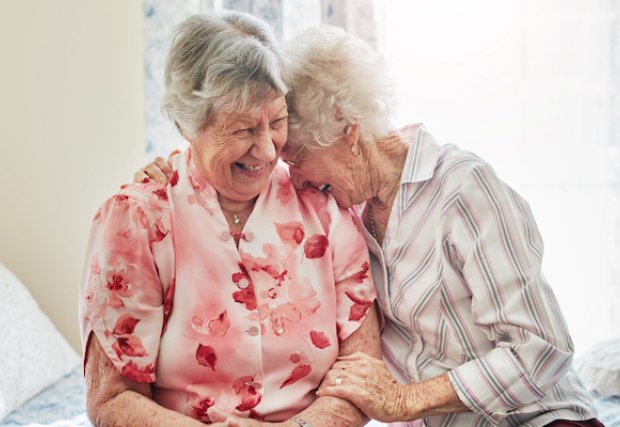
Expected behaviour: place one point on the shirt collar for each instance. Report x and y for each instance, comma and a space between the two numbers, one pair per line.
422, 158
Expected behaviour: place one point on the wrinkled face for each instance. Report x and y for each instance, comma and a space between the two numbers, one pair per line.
237, 152
331, 169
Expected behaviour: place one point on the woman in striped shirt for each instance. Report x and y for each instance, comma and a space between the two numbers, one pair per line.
473, 334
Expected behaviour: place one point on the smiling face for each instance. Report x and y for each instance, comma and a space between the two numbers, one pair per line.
333, 167
237, 152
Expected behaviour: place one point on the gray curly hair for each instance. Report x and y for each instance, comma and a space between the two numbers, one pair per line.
336, 80
220, 63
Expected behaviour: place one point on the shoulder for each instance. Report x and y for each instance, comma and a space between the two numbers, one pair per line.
143, 205
457, 167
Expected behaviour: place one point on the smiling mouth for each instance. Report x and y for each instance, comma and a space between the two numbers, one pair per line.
250, 168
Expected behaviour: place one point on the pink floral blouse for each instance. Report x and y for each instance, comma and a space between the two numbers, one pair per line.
249, 330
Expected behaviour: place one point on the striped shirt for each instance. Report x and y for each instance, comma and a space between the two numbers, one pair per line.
461, 289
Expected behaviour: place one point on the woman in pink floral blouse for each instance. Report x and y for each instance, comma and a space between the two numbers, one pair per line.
225, 294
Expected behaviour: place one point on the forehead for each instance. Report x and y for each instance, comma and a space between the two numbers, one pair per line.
268, 110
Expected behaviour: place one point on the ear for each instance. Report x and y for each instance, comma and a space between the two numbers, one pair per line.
352, 138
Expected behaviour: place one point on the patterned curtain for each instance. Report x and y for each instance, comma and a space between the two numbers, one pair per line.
284, 17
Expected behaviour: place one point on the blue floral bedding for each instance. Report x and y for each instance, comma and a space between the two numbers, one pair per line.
59, 405
62, 405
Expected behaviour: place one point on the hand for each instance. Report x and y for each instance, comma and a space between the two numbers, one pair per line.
367, 383
158, 170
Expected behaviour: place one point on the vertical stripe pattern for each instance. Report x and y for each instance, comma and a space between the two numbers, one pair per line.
466, 295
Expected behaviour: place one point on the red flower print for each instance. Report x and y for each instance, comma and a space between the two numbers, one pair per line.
360, 306
319, 339
161, 194
200, 410
132, 372
125, 325
205, 356
216, 327
256, 416
246, 293
315, 246
120, 198
291, 232
174, 178
298, 373
302, 369
219, 326
362, 275
129, 345
245, 387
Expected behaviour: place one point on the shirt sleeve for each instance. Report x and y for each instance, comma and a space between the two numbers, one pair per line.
498, 249
355, 289
121, 297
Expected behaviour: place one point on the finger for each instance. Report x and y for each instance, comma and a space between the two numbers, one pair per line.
164, 166
155, 173
140, 177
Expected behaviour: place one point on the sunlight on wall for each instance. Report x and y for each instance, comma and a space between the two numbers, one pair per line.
527, 86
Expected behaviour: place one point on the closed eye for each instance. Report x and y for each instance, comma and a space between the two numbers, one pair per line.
278, 123
243, 133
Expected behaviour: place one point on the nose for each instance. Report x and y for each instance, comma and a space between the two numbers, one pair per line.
264, 148
297, 178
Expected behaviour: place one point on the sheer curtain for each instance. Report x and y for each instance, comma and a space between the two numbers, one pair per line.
533, 86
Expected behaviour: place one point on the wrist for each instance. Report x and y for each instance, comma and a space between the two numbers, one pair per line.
408, 404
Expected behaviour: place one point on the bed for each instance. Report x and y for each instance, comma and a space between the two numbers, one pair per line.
52, 393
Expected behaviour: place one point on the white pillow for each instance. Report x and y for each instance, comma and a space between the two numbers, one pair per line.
599, 368
33, 354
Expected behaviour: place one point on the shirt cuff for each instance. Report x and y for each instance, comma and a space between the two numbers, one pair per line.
495, 385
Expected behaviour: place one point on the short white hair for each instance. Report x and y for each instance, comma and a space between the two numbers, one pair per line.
336, 80
229, 62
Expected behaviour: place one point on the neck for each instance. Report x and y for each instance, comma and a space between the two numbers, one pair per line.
385, 162
235, 207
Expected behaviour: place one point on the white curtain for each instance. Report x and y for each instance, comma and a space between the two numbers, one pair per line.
532, 86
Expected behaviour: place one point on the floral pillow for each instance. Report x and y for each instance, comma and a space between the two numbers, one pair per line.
599, 368
33, 354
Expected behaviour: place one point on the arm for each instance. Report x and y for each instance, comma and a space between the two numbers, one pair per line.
367, 383
113, 400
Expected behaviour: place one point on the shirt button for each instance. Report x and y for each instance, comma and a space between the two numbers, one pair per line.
249, 236
225, 235
253, 331
243, 283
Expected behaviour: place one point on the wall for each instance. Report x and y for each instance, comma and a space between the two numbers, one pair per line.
71, 102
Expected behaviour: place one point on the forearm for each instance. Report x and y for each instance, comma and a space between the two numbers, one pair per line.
435, 396
329, 411
131, 408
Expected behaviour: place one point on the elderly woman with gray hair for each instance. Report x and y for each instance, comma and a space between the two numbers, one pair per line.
223, 295
473, 334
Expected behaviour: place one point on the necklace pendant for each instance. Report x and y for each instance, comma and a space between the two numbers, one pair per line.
235, 219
